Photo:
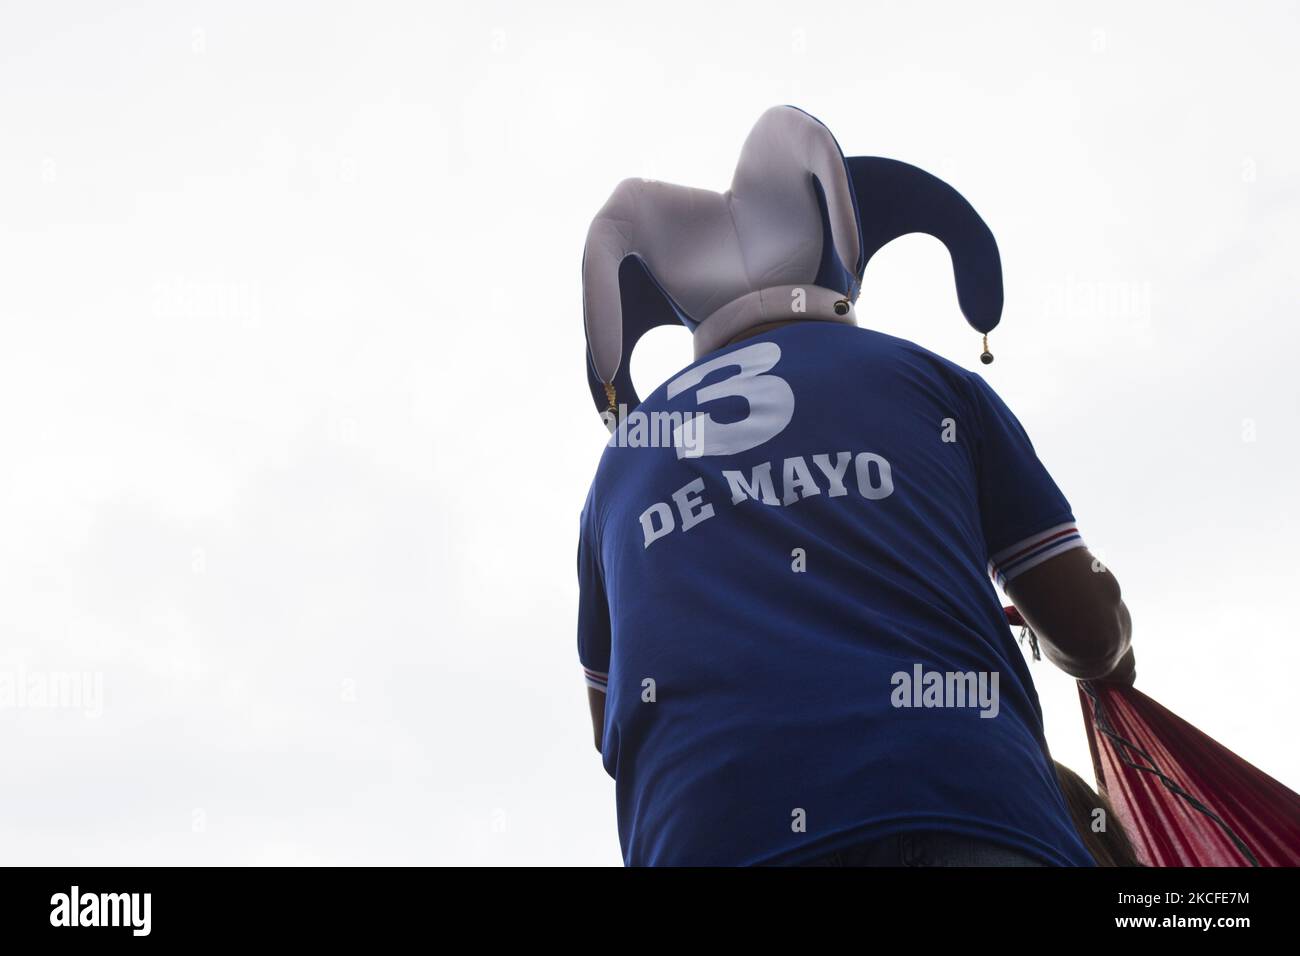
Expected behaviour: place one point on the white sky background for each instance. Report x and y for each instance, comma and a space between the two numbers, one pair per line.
296, 429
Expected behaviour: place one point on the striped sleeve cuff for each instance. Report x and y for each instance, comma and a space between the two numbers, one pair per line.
595, 679
1033, 551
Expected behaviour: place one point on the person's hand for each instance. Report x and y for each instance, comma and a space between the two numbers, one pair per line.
1125, 672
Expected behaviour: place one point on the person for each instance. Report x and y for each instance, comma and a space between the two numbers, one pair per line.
794, 651
1095, 821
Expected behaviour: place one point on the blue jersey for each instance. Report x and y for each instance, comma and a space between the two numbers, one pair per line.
785, 593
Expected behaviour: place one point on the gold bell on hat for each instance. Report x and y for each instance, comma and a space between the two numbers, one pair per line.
986, 356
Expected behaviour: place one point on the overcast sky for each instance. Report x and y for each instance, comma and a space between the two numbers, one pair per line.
292, 397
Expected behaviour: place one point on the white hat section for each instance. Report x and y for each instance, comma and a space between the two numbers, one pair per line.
729, 261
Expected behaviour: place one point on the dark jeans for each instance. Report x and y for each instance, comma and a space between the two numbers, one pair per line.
926, 849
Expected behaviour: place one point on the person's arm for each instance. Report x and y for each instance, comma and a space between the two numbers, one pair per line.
1036, 553
1073, 605
593, 624
596, 701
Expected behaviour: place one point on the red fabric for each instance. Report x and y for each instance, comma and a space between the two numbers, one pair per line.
1165, 828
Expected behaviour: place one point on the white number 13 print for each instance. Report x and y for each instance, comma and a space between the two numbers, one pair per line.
771, 403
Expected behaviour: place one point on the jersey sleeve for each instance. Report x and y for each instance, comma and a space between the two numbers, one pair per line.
593, 607
1025, 517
